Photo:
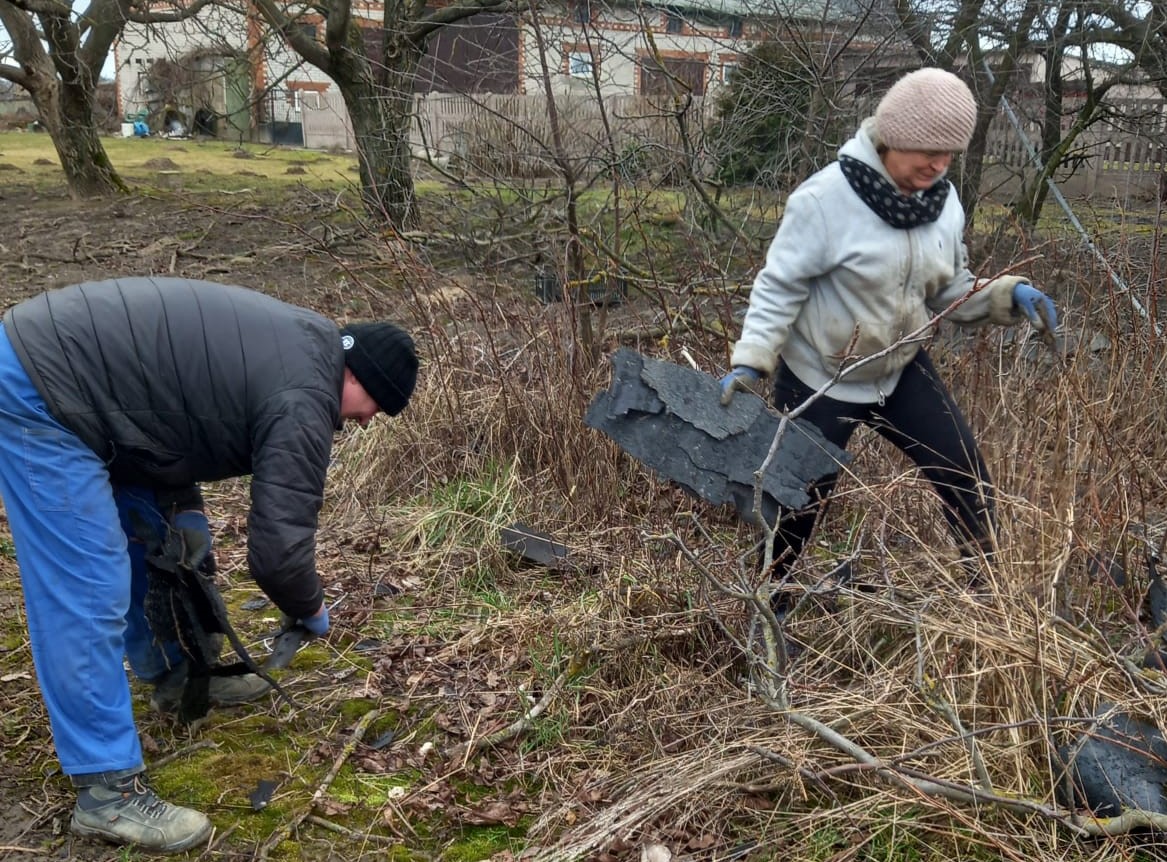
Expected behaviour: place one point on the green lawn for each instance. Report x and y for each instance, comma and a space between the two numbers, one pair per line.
214, 165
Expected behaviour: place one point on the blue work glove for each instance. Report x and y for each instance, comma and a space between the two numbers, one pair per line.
740, 378
318, 622
1038, 307
192, 519
196, 536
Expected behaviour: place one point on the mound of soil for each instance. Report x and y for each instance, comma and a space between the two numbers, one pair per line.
162, 164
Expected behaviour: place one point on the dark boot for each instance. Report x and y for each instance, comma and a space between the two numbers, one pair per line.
224, 690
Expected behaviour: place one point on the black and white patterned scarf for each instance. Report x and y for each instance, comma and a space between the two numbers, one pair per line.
889, 203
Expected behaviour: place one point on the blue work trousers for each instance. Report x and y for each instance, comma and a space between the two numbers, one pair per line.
84, 581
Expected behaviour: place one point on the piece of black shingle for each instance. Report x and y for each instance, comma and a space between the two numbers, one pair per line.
1116, 766
670, 419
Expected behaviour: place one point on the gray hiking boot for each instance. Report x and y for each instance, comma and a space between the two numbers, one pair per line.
225, 690
129, 812
233, 690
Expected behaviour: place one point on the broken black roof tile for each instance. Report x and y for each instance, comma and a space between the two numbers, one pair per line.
670, 419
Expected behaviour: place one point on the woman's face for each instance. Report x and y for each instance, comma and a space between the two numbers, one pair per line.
915, 170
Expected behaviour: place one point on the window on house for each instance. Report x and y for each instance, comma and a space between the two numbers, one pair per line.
295, 99
580, 64
735, 28
583, 12
673, 76
674, 21
728, 70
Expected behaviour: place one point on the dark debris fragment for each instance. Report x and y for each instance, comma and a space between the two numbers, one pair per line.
670, 419
261, 796
532, 545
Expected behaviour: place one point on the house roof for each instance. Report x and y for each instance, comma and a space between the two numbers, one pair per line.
806, 10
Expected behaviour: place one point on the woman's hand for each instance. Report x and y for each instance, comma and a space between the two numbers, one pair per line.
740, 378
1038, 307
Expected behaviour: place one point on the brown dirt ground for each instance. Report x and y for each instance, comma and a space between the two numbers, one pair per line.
49, 241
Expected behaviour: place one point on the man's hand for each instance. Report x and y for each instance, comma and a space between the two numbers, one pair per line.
196, 538
740, 378
318, 622
1038, 307
192, 519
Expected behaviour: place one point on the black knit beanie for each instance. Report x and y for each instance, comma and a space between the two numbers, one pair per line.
382, 358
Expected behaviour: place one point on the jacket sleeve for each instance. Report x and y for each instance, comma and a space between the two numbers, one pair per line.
797, 255
988, 300
291, 449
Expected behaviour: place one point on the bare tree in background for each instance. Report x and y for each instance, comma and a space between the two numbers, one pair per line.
374, 65
57, 55
1137, 28
1061, 31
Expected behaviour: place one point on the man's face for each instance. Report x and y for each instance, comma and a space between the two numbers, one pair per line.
355, 403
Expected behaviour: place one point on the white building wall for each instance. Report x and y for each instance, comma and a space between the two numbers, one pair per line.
617, 38
292, 81
218, 34
217, 30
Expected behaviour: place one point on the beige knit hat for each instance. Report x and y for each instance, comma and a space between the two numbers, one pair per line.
930, 110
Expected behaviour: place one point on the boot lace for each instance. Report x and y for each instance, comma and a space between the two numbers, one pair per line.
137, 792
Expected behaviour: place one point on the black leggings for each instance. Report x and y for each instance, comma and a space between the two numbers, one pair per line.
919, 418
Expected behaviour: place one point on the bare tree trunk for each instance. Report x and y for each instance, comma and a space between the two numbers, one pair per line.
66, 109
376, 78
381, 116
63, 84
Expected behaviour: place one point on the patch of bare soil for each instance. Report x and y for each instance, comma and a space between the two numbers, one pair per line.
30, 826
161, 164
49, 241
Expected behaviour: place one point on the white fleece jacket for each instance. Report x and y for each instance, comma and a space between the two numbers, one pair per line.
840, 284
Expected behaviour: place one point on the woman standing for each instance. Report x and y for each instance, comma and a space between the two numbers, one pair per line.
869, 249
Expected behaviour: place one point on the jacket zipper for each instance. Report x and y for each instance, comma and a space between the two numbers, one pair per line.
881, 398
